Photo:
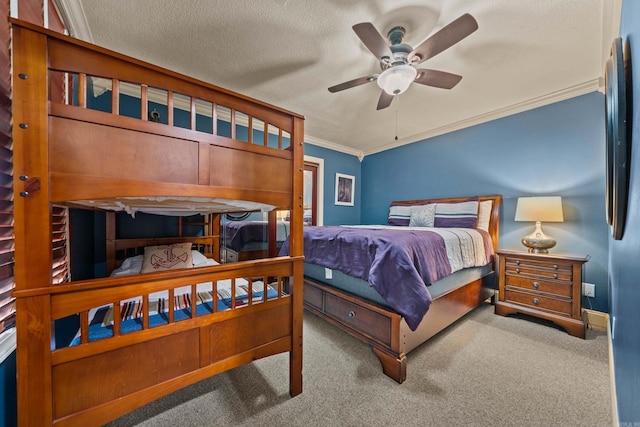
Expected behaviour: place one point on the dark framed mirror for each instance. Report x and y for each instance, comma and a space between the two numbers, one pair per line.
617, 139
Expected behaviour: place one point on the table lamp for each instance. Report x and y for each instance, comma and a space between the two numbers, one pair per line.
538, 209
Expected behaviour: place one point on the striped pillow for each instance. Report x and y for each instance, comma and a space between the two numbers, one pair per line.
460, 215
399, 215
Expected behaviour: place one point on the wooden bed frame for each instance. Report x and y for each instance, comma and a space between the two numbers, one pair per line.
383, 328
64, 154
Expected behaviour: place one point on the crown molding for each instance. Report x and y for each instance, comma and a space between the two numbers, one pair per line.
561, 95
74, 18
333, 146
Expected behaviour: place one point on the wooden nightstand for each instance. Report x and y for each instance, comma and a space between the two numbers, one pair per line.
548, 286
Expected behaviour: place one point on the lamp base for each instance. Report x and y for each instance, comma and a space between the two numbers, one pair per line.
538, 242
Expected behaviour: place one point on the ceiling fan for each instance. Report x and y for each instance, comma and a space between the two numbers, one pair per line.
397, 59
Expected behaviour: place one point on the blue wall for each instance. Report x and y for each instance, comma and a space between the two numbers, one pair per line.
625, 254
336, 162
8, 402
553, 150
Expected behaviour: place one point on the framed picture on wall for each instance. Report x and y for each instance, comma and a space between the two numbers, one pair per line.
345, 189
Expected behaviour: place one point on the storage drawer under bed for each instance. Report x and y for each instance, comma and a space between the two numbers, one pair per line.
361, 318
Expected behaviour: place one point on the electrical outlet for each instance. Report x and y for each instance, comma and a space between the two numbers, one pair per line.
588, 290
328, 273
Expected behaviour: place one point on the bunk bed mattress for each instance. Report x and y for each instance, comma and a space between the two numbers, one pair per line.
400, 263
132, 310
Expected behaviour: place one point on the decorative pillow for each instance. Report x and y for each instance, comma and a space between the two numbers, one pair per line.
422, 215
399, 215
167, 257
484, 214
459, 214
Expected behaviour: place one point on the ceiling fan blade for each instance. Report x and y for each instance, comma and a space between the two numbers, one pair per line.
444, 39
373, 40
436, 78
352, 83
384, 101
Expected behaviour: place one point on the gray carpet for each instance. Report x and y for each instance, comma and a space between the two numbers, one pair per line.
485, 370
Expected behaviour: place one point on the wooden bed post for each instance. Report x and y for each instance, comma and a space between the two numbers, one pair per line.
32, 226
296, 249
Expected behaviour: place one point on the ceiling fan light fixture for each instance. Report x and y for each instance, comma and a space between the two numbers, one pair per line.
395, 80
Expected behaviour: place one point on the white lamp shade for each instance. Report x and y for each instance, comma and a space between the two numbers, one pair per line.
396, 80
543, 209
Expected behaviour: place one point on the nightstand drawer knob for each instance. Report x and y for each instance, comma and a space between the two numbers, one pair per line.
536, 301
555, 276
517, 262
555, 266
518, 270
352, 314
536, 285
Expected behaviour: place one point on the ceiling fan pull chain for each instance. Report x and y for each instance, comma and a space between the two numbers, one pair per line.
397, 108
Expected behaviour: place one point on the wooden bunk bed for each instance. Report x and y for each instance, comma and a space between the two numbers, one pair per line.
352, 305
68, 154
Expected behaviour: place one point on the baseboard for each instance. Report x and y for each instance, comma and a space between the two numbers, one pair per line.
596, 319
612, 378
600, 320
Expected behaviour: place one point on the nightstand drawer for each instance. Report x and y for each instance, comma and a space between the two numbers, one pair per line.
539, 302
228, 255
561, 288
550, 270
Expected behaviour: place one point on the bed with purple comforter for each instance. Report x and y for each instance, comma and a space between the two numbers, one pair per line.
400, 263
394, 287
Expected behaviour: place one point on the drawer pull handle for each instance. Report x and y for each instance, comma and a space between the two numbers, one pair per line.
517, 262
536, 285
555, 276
352, 314
555, 266
536, 301
517, 270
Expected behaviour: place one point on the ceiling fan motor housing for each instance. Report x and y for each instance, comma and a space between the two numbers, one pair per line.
399, 50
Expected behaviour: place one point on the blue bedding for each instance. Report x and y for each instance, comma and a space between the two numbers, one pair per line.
101, 326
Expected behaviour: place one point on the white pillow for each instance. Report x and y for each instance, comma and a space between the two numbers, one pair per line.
484, 214
422, 215
131, 265
198, 258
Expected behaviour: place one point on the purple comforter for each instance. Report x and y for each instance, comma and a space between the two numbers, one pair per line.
237, 233
398, 264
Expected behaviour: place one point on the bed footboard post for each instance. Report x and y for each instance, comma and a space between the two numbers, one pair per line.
32, 218
296, 249
395, 367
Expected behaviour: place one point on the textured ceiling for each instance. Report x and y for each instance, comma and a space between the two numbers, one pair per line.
525, 54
